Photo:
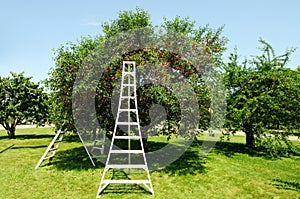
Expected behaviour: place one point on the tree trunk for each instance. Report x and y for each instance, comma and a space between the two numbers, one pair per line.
11, 133
145, 144
250, 141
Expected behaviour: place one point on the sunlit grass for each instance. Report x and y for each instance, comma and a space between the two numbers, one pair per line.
227, 172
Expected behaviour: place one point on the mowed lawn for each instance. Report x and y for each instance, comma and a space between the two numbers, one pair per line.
227, 172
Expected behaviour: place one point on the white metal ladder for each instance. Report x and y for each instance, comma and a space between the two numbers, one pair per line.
127, 93
99, 142
53, 146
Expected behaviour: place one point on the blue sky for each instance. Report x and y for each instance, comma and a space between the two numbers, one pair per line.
31, 29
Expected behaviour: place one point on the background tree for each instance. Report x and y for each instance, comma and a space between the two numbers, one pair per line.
263, 96
70, 57
21, 99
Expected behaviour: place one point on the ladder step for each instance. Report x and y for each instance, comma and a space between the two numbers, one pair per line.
53, 149
121, 110
127, 123
128, 84
58, 141
127, 137
126, 181
128, 166
129, 73
126, 151
51, 156
127, 97
96, 147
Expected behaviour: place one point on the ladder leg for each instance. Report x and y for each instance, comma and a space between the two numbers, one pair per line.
101, 186
87, 151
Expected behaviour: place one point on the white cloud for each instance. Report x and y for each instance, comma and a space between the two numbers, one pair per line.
92, 22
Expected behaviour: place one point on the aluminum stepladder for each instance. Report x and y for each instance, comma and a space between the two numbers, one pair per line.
99, 142
127, 92
53, 146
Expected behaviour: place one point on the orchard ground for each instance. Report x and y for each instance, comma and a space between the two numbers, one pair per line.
27, 126
229, 171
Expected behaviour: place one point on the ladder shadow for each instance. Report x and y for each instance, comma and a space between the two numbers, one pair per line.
124, 188
286, 185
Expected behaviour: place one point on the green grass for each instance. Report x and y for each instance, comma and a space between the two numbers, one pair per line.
229, 171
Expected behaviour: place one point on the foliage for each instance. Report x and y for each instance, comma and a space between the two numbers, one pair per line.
69, 58
21, 99
127, 20
262, 96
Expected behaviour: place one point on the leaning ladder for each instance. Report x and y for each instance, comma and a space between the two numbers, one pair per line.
128, 86
53, 146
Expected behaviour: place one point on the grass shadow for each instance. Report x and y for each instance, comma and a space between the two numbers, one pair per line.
71, 137
7, 148
29, 147
286, 185
189, 163
77, 159
229, 149
29, 136
73, 159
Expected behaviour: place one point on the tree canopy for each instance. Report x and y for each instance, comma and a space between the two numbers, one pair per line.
263, 99
70, 57
21, 99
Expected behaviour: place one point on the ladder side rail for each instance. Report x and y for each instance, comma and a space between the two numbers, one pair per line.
117, 119
87, 151
103, 143
55, 146
106, 168
141, 140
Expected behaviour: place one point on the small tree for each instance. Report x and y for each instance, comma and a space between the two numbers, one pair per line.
20, 99
263, 96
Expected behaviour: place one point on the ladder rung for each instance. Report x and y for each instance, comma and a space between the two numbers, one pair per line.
127, 110
129, 62
128, 166
129, 73
53, 149
126, 181
127, 137
126, 151
96, 147
127, 97
51, 156
127, 123
128, 84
